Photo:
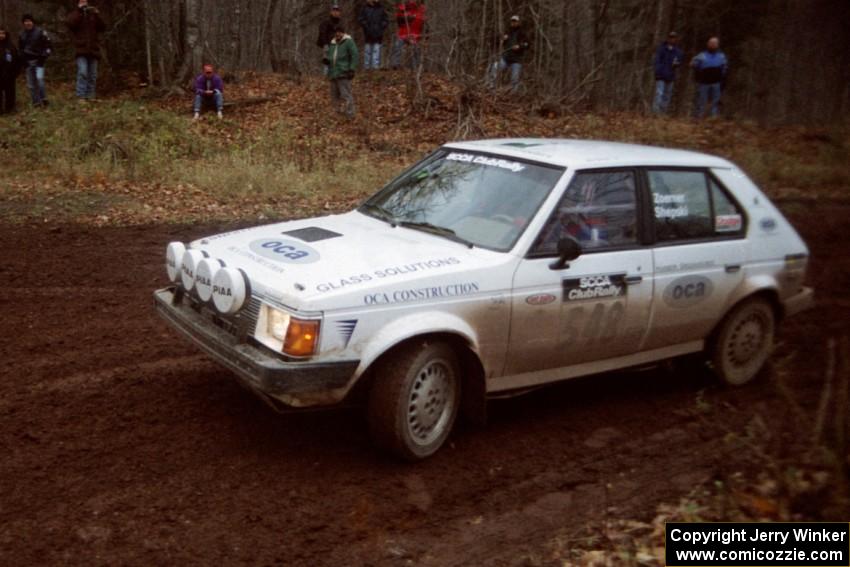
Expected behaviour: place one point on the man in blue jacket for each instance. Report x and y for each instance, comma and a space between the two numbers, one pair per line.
668, 56
34, 46
209, 91
374, 21
710, 69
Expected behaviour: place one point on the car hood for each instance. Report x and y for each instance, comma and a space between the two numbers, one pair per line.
331, 262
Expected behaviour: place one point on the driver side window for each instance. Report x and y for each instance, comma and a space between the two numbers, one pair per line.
598, 209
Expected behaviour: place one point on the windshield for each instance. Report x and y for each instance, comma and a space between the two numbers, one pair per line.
474, 198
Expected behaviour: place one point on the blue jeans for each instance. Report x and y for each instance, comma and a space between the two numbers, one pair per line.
86, 76
704, 94
663, 94
497, 69
201, 101
398, 48
372, 56
35, 82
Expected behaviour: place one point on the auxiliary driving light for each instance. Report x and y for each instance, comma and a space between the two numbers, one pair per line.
191, 259
173, 259
229, 290
204, 274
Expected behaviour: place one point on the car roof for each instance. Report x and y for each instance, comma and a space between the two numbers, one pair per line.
584, 154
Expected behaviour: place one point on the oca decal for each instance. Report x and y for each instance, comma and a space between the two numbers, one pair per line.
688, 291
284, 250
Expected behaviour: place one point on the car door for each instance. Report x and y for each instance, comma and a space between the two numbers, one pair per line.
699, 253
598, 305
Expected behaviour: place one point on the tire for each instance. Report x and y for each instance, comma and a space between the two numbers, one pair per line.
744, 342
414, 399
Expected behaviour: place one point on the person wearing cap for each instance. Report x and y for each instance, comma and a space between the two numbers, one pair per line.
373, 19
86, 25
209, 92
342, 57
35, 47
10, 64
710, 69
326, 33
668, 57
410, 19
513, 45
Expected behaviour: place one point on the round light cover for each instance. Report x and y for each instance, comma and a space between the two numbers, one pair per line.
229, 290
173, 259
204, 276
191, 259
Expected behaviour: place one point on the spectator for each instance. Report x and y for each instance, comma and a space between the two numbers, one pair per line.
373, 19
668, 56
513, 46
86, 24
410, 19
10, 64
209, 91
34, 46
326, 34
710, 68
342, 55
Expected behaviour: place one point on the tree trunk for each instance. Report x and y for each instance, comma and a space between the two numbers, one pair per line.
193, 47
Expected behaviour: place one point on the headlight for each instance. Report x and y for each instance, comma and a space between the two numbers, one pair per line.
284, 333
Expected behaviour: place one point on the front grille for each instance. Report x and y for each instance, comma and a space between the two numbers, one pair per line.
240, 326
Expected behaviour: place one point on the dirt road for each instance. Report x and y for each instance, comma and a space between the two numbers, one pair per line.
121, 444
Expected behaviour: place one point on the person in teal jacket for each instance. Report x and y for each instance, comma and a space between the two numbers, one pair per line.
342, 62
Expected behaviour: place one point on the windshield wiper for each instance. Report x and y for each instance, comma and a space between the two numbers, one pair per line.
438, 230
380, 212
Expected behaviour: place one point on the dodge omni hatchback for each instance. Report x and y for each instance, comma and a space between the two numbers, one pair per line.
490, 268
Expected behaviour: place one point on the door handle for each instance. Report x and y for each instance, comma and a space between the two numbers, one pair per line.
631, 280
733, 268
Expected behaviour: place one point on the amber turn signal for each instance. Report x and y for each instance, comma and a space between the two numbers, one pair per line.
302, 337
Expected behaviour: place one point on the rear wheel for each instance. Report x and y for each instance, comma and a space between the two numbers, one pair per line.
744, 342
414, 399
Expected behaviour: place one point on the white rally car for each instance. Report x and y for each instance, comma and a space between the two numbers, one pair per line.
490, 268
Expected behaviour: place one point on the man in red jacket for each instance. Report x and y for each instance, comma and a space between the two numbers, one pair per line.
86, 24
410, 19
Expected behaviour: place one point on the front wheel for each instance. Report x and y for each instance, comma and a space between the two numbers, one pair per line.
414, 399
744, 342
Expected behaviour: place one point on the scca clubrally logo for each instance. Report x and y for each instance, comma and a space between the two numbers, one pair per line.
606, 286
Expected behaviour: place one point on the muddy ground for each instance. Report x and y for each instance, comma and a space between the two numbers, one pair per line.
121, 444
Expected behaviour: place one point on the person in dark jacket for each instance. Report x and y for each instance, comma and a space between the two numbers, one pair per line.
326, 33
86, 25
10, 64
35, 47
668, 57
710, 69
513, 46
373, 19
342, 55
209, 91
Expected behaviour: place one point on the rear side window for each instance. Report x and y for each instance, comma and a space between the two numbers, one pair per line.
689, 205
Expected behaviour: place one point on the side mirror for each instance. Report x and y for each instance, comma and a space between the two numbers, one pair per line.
568, 250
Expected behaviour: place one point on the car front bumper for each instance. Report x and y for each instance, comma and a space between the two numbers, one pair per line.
800, 301
296, 384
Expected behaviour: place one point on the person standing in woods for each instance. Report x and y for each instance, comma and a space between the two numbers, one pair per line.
373, 19
342, 55
668, 57
209, 91
710, 69
326, 33
513, 46
86, 25
10, 64
410, 19
35, 47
